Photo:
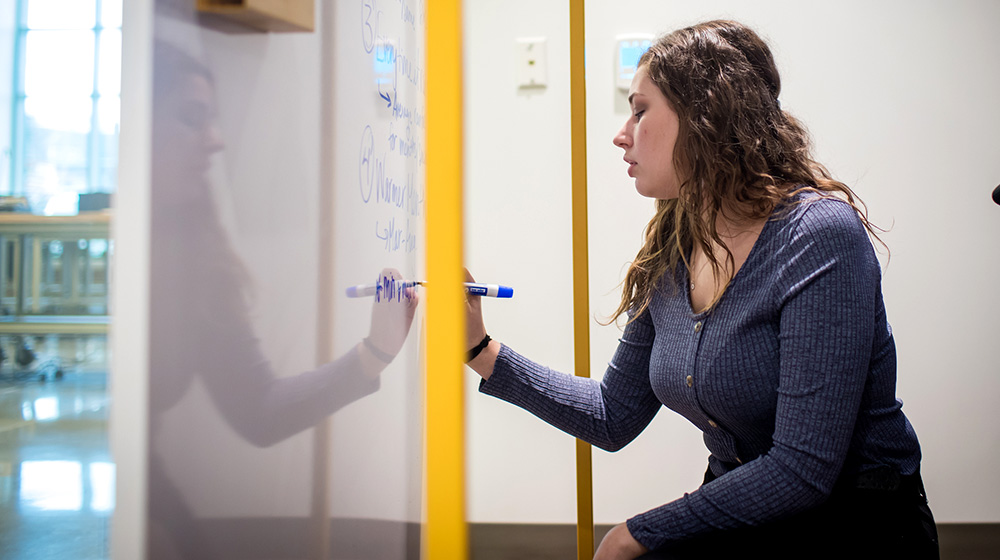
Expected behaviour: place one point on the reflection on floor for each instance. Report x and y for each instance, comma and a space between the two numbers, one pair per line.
56, 474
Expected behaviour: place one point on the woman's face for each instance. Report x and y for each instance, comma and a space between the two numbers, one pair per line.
648, 138
186, 133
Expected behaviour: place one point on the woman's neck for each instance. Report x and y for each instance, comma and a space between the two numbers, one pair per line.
738, 236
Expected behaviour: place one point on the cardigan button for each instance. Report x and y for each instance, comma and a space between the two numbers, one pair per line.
690, 380
713, 424
697, 326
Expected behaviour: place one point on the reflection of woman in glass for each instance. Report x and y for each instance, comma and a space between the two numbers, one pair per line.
200, 324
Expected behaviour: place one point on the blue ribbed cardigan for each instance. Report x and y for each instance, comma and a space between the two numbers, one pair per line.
791, 378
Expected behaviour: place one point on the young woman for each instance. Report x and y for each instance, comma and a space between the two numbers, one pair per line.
755, 311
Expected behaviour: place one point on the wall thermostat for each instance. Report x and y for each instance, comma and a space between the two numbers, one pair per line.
628, 50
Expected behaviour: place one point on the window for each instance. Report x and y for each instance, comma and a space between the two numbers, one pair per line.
67, 85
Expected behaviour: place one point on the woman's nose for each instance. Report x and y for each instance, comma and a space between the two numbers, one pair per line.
213, 139
622, 139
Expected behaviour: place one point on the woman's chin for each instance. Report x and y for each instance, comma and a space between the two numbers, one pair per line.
644, 191
656, 193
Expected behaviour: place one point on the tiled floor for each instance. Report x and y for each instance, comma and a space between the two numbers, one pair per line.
56, 474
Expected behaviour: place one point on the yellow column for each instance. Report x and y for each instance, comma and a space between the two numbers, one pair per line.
581, 285
446, 534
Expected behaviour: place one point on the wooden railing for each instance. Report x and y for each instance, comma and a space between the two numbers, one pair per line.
54, 273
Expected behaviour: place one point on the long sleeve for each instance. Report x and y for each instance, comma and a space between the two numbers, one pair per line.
258, 402
824, 288
608, 414
209, 334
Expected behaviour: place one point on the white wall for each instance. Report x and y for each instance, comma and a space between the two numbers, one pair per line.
898, 97
518, 233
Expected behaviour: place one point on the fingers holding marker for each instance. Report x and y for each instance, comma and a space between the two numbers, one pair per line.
471, 288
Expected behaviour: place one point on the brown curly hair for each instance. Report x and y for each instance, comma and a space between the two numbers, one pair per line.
737, 151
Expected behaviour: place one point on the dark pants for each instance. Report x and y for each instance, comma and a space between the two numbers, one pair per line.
881, 515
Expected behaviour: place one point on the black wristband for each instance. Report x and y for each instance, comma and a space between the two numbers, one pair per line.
379, 355
479, 348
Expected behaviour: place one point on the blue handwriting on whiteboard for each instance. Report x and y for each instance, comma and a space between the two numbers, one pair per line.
405, 13
388, 288
373, 174
408, 146
396, 238
365, 165
385, 63
367, 31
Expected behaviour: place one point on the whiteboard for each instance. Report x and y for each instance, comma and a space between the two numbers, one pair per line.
285, 418
377, 157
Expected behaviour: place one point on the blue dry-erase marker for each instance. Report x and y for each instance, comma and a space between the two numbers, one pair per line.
489, 290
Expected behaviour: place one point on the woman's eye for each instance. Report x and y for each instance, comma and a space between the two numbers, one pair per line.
194, 115
638, 115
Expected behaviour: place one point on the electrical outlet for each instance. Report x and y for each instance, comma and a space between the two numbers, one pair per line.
532, 62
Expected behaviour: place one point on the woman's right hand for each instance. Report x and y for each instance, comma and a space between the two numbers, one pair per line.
475, 332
